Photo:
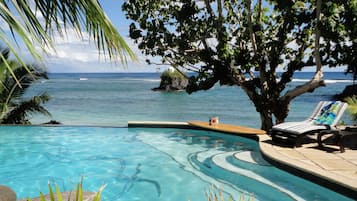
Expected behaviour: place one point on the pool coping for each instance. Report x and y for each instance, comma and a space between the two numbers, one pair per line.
158, 124
320, 176
271, 153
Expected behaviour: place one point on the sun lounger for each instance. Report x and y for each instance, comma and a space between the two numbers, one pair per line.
340, 137
326, 116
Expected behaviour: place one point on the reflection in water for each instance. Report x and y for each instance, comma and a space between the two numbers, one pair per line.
132, 179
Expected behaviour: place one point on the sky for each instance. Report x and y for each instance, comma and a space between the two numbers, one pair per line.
77, 55
74, 54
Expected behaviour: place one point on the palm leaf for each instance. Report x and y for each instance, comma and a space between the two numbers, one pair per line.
99, 193
78, 195
81, 15
14, 89
42, 197
29, 38
52, 197
20, 113
58, 193
352, 106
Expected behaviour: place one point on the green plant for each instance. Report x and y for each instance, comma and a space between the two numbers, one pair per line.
15, 109
24, 20
246, 44
352, 106
215, 194
57, 195
169, 76
172, 74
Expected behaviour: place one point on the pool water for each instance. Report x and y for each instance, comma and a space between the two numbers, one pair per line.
144, 164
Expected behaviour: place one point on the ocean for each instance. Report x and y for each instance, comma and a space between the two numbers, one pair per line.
113, 99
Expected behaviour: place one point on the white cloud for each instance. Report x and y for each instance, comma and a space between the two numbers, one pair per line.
79, 54
75, 54
71, 47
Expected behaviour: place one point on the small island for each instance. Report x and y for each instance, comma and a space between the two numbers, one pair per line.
172, 81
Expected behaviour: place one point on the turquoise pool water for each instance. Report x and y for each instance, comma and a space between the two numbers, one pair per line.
144, 164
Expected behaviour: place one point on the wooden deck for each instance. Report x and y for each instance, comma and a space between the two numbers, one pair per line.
228, 128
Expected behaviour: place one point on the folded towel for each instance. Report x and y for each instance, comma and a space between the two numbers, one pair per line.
328, 113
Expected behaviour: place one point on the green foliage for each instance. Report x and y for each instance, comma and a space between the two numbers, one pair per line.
215, 194
58, 15
226, 41
352, 106
15, 109
172, 73
57, 195
181, 33
168, 75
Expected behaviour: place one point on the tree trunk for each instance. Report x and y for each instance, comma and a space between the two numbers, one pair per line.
266, 120
281, 111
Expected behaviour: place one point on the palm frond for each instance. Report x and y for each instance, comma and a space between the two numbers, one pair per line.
20, 113
58, 15
352, 106
15, 88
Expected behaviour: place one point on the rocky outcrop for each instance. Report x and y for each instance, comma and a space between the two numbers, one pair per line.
6, 194
52, 122
176, 84
172, 81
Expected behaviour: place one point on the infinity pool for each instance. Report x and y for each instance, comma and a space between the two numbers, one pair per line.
144, 164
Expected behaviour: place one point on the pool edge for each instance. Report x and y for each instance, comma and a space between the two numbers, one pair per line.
158, 124
321, 177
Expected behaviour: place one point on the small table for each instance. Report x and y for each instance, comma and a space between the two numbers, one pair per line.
340, 137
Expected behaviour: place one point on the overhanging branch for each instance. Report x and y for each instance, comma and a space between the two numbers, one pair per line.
315, 82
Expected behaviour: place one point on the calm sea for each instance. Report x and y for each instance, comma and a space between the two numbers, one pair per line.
114, 99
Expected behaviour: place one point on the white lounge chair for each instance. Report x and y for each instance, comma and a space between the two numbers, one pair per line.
326, 115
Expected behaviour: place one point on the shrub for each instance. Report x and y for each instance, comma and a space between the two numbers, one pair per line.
170, 75
352, 106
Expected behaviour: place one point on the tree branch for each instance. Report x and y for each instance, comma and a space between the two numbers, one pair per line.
310, 86
317, 37
250, 25
209, 8
317, 80
317, 55
259, 12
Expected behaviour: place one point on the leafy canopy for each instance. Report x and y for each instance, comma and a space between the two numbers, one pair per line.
245, 43
194, 34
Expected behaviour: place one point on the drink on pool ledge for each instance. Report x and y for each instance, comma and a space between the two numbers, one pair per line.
213, 121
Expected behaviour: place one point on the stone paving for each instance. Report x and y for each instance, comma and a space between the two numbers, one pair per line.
325, 162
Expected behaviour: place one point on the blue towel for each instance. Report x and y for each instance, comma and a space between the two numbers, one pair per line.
328, 113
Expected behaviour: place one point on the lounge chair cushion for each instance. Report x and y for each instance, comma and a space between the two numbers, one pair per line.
298, 127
